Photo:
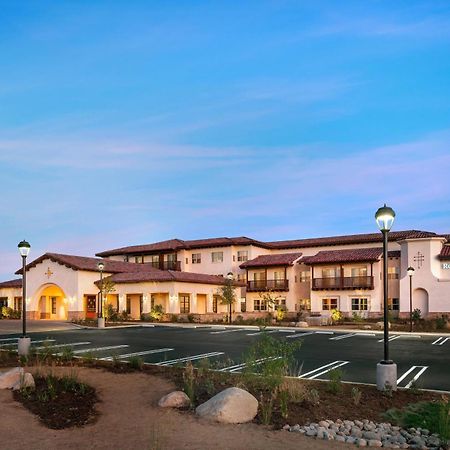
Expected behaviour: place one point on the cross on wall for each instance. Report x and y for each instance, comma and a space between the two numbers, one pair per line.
419, 259
49, 273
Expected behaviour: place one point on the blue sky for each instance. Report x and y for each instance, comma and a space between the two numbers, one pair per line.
130, 122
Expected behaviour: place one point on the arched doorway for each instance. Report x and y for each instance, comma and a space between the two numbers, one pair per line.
52, 303
420, 301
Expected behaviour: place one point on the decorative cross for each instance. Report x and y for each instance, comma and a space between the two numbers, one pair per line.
419, 259
49, 273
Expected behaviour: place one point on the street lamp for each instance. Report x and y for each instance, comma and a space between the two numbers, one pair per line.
386, 369
410, 271
100, 318
230, 278
24, 342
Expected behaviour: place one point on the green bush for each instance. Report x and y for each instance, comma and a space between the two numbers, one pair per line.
157, 313
441, 322
136, 363
335, 383
336, 315
416, 315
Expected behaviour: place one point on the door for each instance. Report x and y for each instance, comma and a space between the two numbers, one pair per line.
91, 306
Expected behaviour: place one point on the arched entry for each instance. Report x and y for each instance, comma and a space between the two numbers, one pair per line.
420, 301
52, 303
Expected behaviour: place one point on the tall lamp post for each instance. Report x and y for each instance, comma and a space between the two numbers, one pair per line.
100, 318
24, 342
386, 369
410, 270
230, 278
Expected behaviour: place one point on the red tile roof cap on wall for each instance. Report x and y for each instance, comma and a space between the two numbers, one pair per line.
344, 256
278, 259
179, 244
17, 283
445, 253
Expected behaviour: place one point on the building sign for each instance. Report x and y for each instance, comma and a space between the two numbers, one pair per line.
446, 265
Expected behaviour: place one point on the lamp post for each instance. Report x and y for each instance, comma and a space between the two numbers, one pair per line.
100, 318
24, 342
410, 270
230, 278
386, 369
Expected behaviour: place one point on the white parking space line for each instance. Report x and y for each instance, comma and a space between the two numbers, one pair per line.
392, 338
32, 342
98, 349
230, 331
439, 341
286, 331
56, 346
189, 358
416, 377
324, 332
299, 335
326, 368
9, 339
130, 355
264, 331
238, 367
342, 336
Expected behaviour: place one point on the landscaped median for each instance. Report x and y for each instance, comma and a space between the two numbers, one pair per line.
284, 411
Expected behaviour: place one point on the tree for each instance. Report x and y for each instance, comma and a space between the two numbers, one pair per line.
227, 295
106, 287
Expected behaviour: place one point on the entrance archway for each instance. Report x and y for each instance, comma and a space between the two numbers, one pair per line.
52, 303
420, 301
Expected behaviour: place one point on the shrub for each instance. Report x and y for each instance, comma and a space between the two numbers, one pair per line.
239, 319
295, 389
157, 313
416, 315
356, 395
284, 403
356, 317
136, 363
266, 407
67, 354
313, 397
189, 381
124, 315
280, 312
174, 318
111, 313
191, 318
335, 383
441, 322
336, 315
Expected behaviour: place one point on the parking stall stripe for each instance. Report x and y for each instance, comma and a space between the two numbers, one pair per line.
297, 335
411, 370
238, 367
440, 341
32, 342
324, 332
98, 349
229, 331
189, 358
344, 336
417, 376
9, 339
328, 367
267, 332
43, 347
130, 355
392, 338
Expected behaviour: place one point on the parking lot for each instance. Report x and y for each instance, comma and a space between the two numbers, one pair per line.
421, 359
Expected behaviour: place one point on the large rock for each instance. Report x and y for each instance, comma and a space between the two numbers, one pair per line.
11, 378
176, 399
233, 405
26, 381
302, 324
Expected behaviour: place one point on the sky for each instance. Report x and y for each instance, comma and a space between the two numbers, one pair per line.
130, 122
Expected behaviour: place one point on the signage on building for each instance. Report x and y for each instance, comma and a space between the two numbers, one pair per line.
446, 265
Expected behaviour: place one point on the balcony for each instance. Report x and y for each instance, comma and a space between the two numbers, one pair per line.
167, 265
266, 285
342, 283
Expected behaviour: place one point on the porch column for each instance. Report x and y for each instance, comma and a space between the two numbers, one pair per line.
174, 303
146, 303
209, 302
122, 302
194, 308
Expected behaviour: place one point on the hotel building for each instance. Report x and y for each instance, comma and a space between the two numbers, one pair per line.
311, 275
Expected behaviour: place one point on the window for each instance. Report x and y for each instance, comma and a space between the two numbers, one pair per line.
304, 276
3, 302
185, 304
281, 301
242, 255
304, 304
128, 304
243, 305
259, 305
217, 257
216, 299
242, 277
329, 303
125, 258
53, 300
393, 273
196, 258
139, 259
329, 273
152, 301
18, 303
394, 304
359, 304
359, 272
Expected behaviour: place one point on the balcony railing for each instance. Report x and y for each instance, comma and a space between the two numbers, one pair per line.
265, 285
167, 265
342, 283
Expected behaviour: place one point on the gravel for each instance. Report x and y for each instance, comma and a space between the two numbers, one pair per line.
366, 433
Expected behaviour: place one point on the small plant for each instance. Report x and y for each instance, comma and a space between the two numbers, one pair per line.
336, 315
388, 391
67, 354
191, 318
335, 383
441, 322
157, 313
283, 397
416, 315
89, 357
189, 381
414, 387
295, 389
313, 397
116, 361
266, 407
357, 318
356, 395
136, 363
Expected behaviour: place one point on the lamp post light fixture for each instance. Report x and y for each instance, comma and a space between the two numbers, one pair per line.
100, 318
410, 271
24, 342
386, 369
230, 278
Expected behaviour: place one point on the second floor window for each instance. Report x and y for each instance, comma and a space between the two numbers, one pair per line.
394, 304
304, 276
242, 255
196, 258
217, 257
393, 273
359, 272
330, 273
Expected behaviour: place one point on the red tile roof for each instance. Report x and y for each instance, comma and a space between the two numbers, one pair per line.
278, 259
17, 283
344, 256
445, 253
178, 244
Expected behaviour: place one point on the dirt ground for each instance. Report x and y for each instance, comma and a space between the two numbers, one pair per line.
130, 419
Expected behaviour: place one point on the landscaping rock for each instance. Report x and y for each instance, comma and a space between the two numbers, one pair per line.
176, 399
374, 443
302, 325
233, 405
26, 381
11, 378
